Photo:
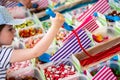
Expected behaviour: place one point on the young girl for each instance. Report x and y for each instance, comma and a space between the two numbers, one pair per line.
8, 54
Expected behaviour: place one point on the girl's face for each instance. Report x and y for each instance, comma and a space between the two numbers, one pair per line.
7, 35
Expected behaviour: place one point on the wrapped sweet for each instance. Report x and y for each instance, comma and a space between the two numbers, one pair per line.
59, 72
27, 23
61, 35
32, 31
30, 42
19, 65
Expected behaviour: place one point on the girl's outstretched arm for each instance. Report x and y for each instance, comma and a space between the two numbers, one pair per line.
42, 45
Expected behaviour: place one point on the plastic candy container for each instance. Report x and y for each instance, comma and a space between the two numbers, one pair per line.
31, 31
28, 73
64, 71
27, 23
28, 29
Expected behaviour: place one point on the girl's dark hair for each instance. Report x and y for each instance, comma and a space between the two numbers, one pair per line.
1, 27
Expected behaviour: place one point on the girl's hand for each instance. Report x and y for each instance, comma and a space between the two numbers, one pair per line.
58, 21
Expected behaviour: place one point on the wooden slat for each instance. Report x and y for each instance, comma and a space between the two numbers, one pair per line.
99, 48
102, 60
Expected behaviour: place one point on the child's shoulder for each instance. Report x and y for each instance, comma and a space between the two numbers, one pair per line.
5, 49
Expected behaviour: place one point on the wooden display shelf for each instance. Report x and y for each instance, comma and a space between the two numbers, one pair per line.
99, 48
60, 8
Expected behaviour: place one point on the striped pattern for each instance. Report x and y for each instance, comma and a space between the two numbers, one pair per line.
2, 2
43, 3
71, 46
11, 4
7, 3
5, 55
66, 62
101, 6
105, 74
2, 74
55, 0
89, 24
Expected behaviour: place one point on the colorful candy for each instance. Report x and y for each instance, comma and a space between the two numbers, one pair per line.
27, 23
31, 42
25, 33
59, 72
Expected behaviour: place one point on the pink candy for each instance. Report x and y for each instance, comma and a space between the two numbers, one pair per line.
19, 65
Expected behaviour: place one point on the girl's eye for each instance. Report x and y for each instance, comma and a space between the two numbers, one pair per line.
11, 29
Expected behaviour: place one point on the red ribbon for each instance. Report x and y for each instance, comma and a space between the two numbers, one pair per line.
79, 42
101, 55
98, 56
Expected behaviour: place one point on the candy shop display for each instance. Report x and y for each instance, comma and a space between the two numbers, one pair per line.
92, 24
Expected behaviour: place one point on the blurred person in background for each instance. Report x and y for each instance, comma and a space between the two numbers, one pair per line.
13, 3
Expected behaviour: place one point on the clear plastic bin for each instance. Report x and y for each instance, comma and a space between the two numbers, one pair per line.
20, 74
76, 76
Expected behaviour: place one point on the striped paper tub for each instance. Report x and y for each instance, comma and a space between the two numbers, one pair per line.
105, 74
43, 3
101, 6
11, 4
72, 46
89, 24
